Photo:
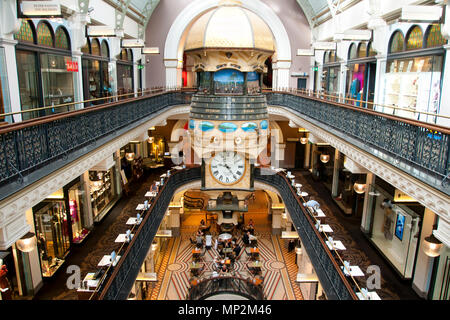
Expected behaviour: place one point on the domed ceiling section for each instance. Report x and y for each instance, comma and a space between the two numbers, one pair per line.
230, 27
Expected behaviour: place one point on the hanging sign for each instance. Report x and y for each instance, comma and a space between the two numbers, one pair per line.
72, 66
39, 9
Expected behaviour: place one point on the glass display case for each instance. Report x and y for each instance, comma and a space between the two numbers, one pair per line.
53, 235
74, 196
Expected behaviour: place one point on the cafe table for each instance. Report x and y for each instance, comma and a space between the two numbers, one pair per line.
140, 207
106, 261
371, 295
151, 194
325, 228
132, 221
355, 271
122, 237
337, 245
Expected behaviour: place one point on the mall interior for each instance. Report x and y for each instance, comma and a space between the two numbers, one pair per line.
224, 150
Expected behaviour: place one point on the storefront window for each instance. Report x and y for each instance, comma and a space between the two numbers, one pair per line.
355, 75
52, 231
394, 231
332, 78
95, 47
25, 33
415, 85
62, 39
5, 106
28, 82
124, 79
57, 82
103, 191
76, 204
352, 52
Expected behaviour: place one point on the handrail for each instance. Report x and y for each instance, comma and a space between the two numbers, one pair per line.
292, 210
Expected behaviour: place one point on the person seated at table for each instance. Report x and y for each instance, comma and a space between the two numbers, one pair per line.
224, 270
199, 238
216, 264
237, 250
202, 224
246, 238
228, 244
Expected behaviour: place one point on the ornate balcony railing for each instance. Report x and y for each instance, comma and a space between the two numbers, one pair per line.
117, 282
418, 148
32, 149
333, 280
225, 284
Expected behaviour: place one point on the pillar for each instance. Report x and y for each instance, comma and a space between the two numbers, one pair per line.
13, 79
174, 221
368, 204
335, 183
307, 155
88, 215
424, 264
78, 79
445, 92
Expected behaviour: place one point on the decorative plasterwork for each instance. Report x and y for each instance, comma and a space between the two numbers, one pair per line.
424, 194
12, 210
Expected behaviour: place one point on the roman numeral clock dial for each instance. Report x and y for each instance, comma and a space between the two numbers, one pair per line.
227, 167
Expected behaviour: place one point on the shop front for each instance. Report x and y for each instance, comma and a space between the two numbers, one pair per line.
413, 74
5, 105
361, 74
104, 188
97, 81
125, 74
395, 224
45, 68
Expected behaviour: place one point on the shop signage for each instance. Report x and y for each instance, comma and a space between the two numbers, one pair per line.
39, 9
324, 45
150, 50
305, 52
101, 31
72, 66
132, 43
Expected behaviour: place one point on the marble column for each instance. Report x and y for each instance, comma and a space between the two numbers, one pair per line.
335, 183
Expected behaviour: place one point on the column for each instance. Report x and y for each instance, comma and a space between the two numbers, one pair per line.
307, 155
343, 80
173, 73
424, 264
78, 79
335, 183
87, 207
174, 221
368, 204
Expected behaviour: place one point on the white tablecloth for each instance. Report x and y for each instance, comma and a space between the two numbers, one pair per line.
106, 261
355, 271
325, 228
372, 296
131, 221
225, 236
121, 237
338, 245
151, 194
140, 207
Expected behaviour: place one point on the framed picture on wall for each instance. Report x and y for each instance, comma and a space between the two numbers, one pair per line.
399, 226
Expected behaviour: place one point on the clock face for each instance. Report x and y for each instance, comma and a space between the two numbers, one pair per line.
227, 167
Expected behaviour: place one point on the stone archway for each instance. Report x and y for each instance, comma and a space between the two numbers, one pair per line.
174, 45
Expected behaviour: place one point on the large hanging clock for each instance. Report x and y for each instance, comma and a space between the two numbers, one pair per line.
227, 167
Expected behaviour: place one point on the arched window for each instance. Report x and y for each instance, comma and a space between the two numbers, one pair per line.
87, 47
352, 52
123, 54
105, 49
95, 47
130, 55
434, 36
372, 51
326, 57
332, 56
44, 35
362, 50
397, 43
414, 39
25, 33
62, 39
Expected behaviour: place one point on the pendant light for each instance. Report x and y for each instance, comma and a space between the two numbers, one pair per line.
324, 157
303, 140
359, 188
432, 245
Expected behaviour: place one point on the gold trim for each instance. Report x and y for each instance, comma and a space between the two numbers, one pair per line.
232, 183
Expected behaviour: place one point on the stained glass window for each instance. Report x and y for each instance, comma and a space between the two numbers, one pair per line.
95, 47
435, 38
44, 35
85, 48
415, 39
397, 42
61, 39
123, 54
25, 33
372, 51
105, 49
332, 56
362, 50
352, 52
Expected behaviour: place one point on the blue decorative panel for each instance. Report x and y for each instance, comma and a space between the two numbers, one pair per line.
227, 127
206, 126
249, 127
191, 124
264, 124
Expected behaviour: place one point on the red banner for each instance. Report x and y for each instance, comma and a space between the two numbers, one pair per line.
72, 66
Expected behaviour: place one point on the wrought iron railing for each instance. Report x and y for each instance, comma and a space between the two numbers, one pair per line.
331, 277
117, 283
418, 148
30, 150
212, 286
